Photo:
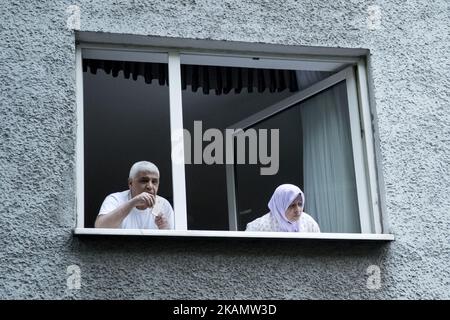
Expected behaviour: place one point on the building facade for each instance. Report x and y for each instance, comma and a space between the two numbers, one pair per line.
408, 67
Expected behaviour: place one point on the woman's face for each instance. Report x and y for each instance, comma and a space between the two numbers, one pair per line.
295, 210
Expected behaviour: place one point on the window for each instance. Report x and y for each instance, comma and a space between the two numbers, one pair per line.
225, 128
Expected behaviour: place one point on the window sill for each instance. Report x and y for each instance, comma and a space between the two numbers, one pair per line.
232, 234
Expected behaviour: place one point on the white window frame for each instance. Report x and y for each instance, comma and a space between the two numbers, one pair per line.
365, 155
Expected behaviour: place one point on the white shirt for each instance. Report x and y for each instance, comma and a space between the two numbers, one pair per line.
268, 223
138, 219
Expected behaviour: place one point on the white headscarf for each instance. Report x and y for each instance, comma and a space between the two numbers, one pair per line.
281, 199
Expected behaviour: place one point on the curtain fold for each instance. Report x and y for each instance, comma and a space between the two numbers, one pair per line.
222, 80
329, 176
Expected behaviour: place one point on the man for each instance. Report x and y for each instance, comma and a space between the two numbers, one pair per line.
139, 207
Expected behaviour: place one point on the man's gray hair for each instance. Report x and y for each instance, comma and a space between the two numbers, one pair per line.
142, 166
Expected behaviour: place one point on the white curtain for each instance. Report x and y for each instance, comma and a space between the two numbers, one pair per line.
329, 176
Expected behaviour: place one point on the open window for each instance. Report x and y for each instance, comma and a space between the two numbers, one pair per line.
126, 119
248, 122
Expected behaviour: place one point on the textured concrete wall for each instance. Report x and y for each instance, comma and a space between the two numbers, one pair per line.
409, 69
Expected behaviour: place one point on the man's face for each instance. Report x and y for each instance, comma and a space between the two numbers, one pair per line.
295, 210
144, 181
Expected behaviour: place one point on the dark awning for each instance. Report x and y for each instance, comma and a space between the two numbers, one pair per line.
220, 79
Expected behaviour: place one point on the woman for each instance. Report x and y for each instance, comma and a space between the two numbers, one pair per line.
286, 213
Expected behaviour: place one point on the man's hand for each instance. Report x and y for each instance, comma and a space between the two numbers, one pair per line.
161, 222
144, 200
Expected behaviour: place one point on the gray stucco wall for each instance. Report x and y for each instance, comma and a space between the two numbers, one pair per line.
409, 67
